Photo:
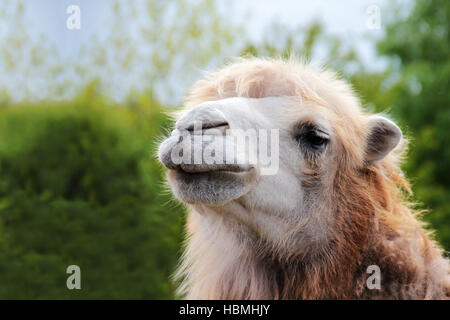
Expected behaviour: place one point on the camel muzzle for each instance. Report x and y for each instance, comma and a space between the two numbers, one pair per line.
201, 143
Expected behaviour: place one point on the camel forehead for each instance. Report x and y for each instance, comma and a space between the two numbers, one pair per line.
275, 106
259, 78
246, 101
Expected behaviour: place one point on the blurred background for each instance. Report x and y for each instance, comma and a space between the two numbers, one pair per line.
83, 92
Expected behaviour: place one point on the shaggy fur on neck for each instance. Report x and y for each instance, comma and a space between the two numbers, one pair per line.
221, 263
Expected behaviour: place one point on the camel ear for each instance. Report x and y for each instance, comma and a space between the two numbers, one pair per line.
384, 135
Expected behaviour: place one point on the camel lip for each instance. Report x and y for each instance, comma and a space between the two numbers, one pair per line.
199, 169
185, 177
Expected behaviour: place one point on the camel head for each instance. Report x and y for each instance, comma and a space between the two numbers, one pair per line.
260, 145
294, 190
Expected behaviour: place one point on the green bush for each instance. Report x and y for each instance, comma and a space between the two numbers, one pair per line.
79, 185
421, 99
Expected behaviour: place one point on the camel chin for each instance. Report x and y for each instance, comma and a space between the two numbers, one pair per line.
210, 187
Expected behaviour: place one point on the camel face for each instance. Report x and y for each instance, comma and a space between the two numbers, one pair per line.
268, 164
291, 157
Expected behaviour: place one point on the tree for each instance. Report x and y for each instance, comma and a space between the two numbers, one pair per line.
79, 186
419, 49
162, 51
28, 66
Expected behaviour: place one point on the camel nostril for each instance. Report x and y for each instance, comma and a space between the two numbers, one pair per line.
202, 118
206, 124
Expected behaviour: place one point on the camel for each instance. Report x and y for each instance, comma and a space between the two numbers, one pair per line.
337, 207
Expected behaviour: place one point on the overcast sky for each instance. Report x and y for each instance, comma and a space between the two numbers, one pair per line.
347, 19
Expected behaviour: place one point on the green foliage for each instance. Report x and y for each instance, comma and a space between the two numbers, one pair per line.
79, 186
419, 46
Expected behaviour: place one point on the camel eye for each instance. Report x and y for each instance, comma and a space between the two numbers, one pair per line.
312, 138
315, 140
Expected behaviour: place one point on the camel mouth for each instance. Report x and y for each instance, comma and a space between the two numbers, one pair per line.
205, 168
212, 175
217, 186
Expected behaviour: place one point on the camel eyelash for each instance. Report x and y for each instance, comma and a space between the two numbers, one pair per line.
311, 138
